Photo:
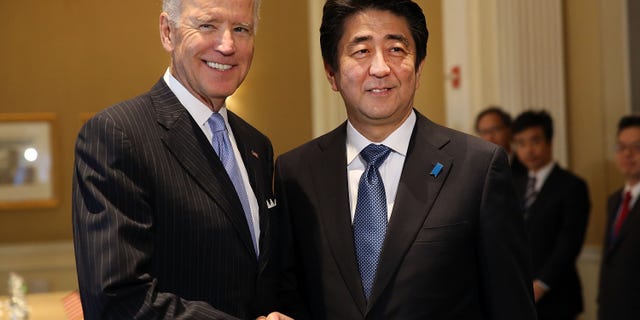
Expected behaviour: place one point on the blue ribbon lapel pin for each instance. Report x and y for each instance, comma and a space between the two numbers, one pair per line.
437, 168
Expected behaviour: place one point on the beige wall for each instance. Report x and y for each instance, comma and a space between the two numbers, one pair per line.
72, 57
596, 98
429, 98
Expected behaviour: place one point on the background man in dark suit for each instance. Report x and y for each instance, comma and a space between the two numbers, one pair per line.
494, 125
391, 216
172, 192
556, 205
618, 294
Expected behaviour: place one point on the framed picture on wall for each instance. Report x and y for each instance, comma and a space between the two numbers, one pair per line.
27, 172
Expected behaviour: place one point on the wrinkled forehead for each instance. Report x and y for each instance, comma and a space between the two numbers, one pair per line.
183, 7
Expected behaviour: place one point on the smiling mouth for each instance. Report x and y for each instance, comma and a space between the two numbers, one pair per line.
379, 90
219, 66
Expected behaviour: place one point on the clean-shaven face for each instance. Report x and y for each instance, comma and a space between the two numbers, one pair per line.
532, 148
377, 75
211, 47
628, 153
492, 129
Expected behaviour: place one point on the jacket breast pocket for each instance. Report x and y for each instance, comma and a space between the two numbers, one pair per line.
444, 233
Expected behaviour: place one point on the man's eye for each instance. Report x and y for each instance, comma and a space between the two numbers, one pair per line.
206, 26
242, 29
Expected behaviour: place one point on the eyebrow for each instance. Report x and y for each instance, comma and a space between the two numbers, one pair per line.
397, 37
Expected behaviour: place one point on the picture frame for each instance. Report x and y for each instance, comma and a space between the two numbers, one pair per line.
27, 161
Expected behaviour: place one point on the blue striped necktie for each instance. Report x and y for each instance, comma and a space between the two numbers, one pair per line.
222, 146
370, 220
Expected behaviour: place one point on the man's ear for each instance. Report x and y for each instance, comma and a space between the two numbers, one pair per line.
331, 76
419, 73
166, 32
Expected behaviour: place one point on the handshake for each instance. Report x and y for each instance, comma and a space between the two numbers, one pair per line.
274, 316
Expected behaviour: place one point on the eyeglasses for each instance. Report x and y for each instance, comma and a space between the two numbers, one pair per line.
632, 147
491, 130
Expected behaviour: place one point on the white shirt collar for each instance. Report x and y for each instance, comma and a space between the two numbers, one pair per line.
398, 140
635, 191
542, 174
199, 111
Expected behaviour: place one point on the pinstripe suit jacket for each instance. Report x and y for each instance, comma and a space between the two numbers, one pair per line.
159, 231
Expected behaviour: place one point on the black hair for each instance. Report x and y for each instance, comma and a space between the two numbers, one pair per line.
532, 118
503, 115
336, 12
629, 121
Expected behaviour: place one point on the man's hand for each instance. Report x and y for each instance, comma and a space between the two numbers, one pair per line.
275, 316
538, 290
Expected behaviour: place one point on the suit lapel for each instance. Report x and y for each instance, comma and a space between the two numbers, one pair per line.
612, 209
330, 174
417, 191
188, 144
633, 215
252, 162
548, 191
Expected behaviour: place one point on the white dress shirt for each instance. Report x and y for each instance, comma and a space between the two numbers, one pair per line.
390, 170
541, 175
201, 114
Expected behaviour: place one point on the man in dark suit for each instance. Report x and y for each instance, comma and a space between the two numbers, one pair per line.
494, 125
391, 216
556, 208
172, 192
618, 294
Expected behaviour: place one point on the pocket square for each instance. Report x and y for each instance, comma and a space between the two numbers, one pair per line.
271, 203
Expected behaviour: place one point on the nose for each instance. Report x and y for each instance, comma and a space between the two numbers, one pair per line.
226, 44
379, 67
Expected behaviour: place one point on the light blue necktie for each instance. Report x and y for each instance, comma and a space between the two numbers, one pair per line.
223, 148
370, 221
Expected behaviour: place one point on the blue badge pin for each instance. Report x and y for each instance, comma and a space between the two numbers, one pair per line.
436, 170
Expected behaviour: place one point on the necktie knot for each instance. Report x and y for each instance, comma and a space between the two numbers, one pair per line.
216, 122
375, 154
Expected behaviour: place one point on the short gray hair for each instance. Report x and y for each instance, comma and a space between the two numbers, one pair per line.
173, 9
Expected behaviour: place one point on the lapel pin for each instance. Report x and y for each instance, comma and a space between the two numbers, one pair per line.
436, 170
255, 154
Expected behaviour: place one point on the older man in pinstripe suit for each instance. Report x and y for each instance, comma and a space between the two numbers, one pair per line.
172, 194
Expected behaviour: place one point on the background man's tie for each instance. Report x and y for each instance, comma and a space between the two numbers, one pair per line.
530, 195
370, 221
624, 212
223, 148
